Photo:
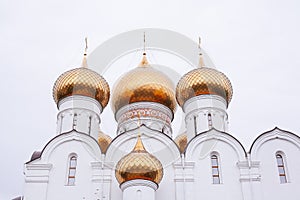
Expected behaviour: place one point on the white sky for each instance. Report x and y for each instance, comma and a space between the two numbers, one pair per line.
255, 43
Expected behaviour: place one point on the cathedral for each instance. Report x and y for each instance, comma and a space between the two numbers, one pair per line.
145, 160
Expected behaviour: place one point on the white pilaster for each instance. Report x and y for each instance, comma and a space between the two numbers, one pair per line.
250, 179
179, 180
189, 181
101, 179
36, 181
184, 179
79, 113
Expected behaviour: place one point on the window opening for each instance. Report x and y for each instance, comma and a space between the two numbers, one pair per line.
72, 170
209, 120
90, 124
75, 121
215, 169
281, 168
195, 124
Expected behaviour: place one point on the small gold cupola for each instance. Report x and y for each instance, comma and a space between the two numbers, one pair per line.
104, 141
181, 141
82, 81
139, 164
203, 81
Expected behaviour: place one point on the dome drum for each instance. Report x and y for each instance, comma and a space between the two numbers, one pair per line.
79, 101
203, 102
138, 182
144, 110
153, 115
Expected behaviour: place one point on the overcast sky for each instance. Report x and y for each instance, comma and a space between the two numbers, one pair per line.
255, 43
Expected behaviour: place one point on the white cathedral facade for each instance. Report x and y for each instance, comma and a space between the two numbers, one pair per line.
145, 161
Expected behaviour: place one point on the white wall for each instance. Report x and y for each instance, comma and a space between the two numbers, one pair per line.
229, 153
190, 177
264, 150
88, 177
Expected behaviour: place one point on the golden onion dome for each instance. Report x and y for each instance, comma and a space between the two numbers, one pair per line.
103, 141
181, 141
139, 164
202, 81
144, 84
81, 81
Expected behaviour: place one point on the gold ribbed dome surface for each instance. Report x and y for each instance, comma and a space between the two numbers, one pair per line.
201, 81
181, 141
104, 141
143, 84
139, 164
81, 81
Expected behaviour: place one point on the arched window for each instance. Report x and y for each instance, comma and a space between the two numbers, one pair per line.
72, 170
281, 168
139, 194
74, 120
209, 120
195, 124
215, 169
90, 124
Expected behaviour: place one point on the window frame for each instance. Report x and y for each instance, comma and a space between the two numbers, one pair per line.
195, 124
70, 168
282, 166
209, 120
215, 156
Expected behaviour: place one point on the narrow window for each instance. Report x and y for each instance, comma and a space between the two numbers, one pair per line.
75, 120
215, 169
90, 124
281, 168
195, 124
209, 120
139, 194
72, 170
61, 123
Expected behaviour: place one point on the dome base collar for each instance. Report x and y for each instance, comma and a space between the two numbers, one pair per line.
139, 182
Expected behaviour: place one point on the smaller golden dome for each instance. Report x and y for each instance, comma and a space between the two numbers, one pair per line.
139, 164
81, 81
103, 141
181, 141
202, 81
143, 84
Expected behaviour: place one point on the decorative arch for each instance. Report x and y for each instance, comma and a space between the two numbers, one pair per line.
91, 144
123, 144
215, 135
274, 134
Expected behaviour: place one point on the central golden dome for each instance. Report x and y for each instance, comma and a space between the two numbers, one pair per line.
143, 84
139, 164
